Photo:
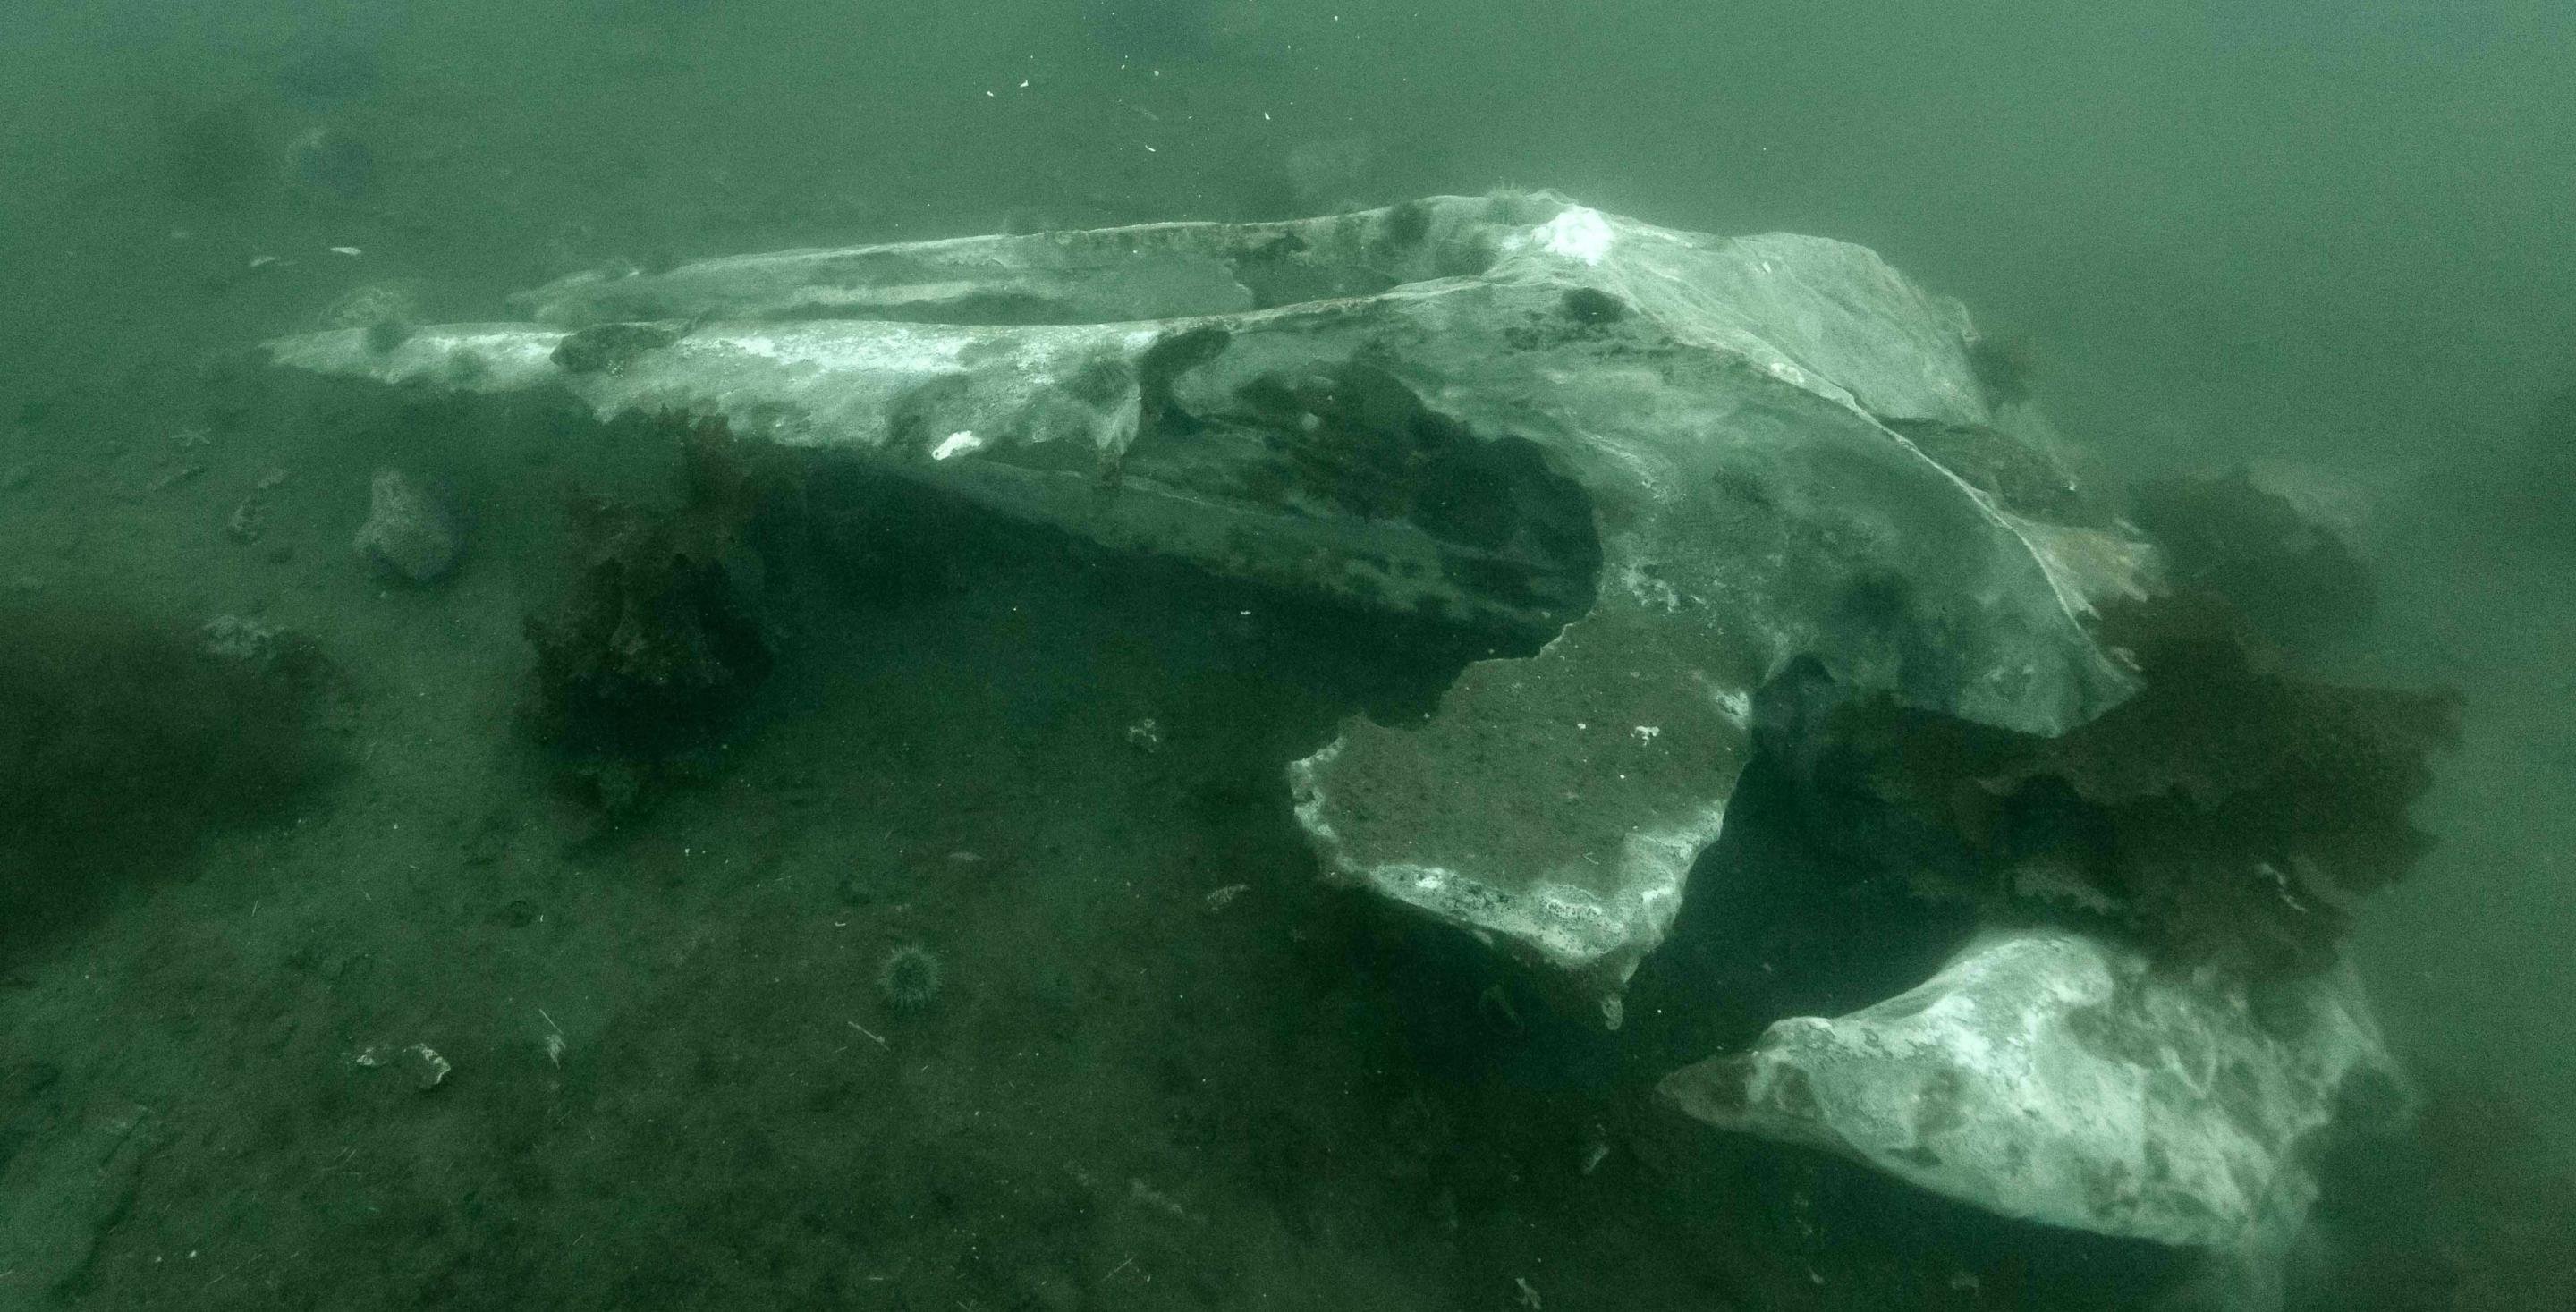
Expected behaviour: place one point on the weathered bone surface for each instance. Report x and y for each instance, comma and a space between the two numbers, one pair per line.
1688, 459
2045, 1075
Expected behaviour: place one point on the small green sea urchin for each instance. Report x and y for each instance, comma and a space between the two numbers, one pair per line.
909, 977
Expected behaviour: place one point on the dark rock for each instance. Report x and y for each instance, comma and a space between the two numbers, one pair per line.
408, 533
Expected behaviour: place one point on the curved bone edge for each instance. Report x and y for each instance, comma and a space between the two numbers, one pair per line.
2052, 1077
1098, 275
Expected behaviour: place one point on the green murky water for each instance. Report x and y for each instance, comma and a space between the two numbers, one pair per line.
933, 981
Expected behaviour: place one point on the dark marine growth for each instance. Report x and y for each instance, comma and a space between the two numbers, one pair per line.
658, 644
122, 742
2229, 814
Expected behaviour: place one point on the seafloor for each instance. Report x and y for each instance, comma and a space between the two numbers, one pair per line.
1165, 1067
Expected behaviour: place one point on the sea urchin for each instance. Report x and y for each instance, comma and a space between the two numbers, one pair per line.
909, 977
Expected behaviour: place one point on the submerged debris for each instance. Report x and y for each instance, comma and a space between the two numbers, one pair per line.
1665, 461
1145, 735
241, 638
249, 520
2228, 813
658, 643
420, 1063
2046, 1074
408, 534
